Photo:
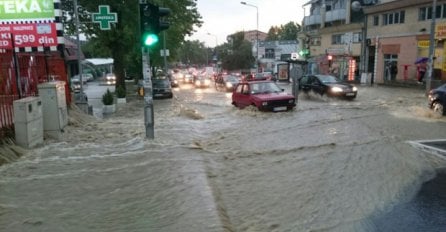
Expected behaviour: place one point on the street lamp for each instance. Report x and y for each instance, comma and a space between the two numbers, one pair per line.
257, 31
216, 40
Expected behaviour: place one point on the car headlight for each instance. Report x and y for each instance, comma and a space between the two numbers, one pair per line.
197, 82
355, 89
264, 103
228, 84
336, 89
291, 101
207, 82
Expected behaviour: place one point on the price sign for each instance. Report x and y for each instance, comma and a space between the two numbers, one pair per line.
28, 35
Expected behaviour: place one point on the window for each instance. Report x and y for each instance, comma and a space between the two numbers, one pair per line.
375, 20
269, 53
315, 41
357, 37
336, 39
425, 13
393, 18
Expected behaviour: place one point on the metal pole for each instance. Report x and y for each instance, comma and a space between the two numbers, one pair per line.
164, 52
16, 67
431, 48
257, 40
149, 117
76, 15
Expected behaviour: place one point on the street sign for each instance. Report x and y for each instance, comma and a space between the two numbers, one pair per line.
104, 17
164, 52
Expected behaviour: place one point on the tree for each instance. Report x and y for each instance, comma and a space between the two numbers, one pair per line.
288, 31
238, 53
122, 41
273, 33
193, 52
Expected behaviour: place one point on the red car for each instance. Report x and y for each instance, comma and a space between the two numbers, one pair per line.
265, 95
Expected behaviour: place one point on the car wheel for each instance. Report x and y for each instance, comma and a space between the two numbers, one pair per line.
438, 108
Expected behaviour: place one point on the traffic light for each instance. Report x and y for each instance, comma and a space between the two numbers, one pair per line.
152, 22
305, 53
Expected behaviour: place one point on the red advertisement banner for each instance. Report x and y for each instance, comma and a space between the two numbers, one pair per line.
28, 35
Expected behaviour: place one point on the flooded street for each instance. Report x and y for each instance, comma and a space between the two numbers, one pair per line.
329, 165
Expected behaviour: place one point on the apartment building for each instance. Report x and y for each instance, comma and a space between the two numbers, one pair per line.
398, 33
380, 37
334, 31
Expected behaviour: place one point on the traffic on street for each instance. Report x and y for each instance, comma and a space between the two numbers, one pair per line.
329, 164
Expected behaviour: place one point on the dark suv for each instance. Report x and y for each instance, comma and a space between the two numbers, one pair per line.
437, 100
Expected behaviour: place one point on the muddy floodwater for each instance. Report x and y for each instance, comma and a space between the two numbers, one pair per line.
328, 165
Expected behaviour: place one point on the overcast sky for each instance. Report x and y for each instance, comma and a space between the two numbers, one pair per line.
225, 17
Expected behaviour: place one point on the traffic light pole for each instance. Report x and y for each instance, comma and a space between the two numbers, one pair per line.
149, 118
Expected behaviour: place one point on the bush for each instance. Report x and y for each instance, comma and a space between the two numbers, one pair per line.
120, 92
107, 98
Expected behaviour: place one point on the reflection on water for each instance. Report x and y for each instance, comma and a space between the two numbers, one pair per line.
425, 212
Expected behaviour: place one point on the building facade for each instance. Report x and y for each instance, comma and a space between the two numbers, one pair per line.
398, 33
382, 38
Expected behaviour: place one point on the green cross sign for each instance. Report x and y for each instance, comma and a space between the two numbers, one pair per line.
104, 17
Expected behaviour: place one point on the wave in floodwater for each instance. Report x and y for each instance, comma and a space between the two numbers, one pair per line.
326, 166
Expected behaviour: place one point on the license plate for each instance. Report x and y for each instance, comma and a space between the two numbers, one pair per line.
280, 108
158, 95
350, 94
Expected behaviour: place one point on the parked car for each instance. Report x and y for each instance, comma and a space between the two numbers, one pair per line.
437, 99
75, 85
162, 88
328, 85
265, 95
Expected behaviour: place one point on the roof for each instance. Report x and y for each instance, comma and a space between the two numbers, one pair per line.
100, 61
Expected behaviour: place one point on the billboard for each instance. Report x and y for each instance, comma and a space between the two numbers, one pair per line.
26, 10
28, 35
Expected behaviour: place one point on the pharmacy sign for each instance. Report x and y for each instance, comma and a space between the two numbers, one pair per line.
26, 10
104, 17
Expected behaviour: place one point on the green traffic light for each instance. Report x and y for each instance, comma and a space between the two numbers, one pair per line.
150, 39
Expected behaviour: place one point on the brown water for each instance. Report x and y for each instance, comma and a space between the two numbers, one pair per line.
329, 165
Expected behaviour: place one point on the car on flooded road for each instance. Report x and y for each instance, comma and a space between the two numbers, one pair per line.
327, 85
202, 82
162, 88
437, 100
265, 95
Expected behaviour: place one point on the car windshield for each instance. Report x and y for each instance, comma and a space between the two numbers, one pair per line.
231, 78
265, 87
160, 83
328, 79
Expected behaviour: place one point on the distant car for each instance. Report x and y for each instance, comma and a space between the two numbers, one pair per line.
188, 77
265, 95
75, 85
264, 76
110, 79
76, 78
229, 82
437, 99
162, 88
327, 85
202, 82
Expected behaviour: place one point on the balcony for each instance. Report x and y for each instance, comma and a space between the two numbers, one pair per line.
312, 20
336, 15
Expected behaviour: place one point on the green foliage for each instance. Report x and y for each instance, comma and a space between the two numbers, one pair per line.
122, 42
239, 53
194, 52
107, 98
120, 92
288, 31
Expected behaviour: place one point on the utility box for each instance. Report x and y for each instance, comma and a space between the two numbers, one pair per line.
28, 122
54, 108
